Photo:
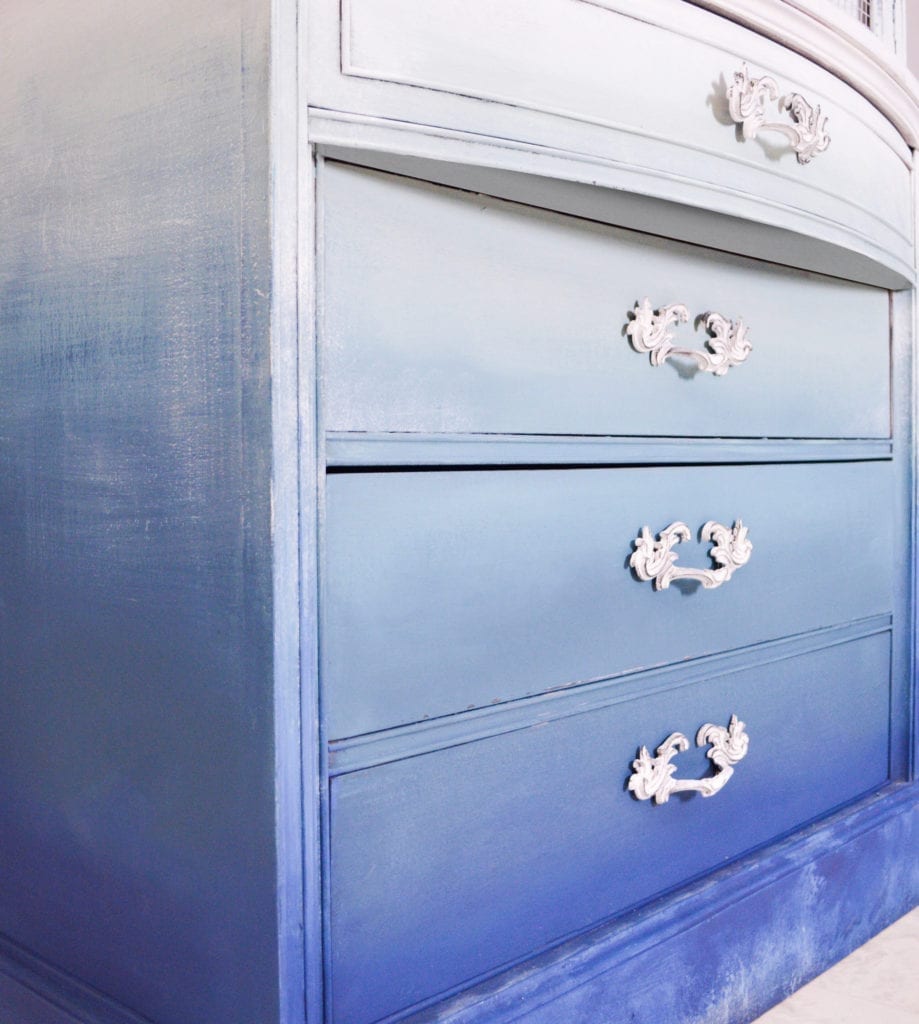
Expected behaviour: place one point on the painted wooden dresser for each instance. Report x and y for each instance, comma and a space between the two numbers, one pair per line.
613, 438
482, 583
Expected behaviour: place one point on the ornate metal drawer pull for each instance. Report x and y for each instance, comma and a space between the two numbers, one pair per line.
747, 102
655, 560
653, 777
649, 332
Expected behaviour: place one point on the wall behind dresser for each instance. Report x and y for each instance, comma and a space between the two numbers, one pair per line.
912, 38
136, 826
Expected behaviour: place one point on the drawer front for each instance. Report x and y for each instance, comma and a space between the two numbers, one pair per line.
445, 311
443, 868
451, 590
640, 83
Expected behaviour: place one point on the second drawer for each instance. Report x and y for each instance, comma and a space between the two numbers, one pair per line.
446, 591
449, 312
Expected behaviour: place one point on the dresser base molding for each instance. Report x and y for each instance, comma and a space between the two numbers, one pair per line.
726, 948
40, 993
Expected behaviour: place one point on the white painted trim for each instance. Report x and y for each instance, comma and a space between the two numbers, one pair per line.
838, 44
285, 511
315, 883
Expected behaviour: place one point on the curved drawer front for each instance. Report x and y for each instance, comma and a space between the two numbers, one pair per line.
445, 311
443, 867
450, 590
639, 83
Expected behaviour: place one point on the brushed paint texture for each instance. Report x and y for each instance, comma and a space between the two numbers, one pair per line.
136, 849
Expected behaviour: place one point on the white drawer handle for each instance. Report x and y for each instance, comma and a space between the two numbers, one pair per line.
654, 776
649, 331
654, 560
747, 101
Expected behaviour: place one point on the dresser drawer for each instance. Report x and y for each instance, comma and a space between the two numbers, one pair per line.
451, 590
628, 84
445, 311
452, 864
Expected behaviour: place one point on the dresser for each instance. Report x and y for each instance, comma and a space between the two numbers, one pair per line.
463, 507
613, 404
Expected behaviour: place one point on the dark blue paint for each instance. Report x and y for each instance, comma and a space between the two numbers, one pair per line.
33, 991
136, 761
359, 752
728, 947
449, 865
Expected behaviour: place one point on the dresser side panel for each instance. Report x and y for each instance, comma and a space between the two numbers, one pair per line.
136, 762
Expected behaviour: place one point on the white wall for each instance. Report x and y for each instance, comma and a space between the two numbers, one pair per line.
912, 35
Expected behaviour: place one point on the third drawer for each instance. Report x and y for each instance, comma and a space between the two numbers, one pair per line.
451, 590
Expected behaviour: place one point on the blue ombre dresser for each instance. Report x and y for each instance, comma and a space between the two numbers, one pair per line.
613, 442
511, 617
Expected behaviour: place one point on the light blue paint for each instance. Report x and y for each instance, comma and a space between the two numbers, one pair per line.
451, 590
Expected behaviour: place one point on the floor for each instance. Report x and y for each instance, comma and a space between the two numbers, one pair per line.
877, 984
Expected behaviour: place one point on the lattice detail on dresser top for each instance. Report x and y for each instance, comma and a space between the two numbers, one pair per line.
880, 16
860, 9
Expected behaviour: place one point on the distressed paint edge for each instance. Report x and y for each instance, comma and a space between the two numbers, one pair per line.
352, 450
289, 807
66, 994
702, 924
311, 470
909, 411
903, 639
320, 484
357, 753
646, 941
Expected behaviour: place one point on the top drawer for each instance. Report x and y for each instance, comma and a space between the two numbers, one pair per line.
628, 85
445, 311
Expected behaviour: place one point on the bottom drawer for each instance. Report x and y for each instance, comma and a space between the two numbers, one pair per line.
449, 865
